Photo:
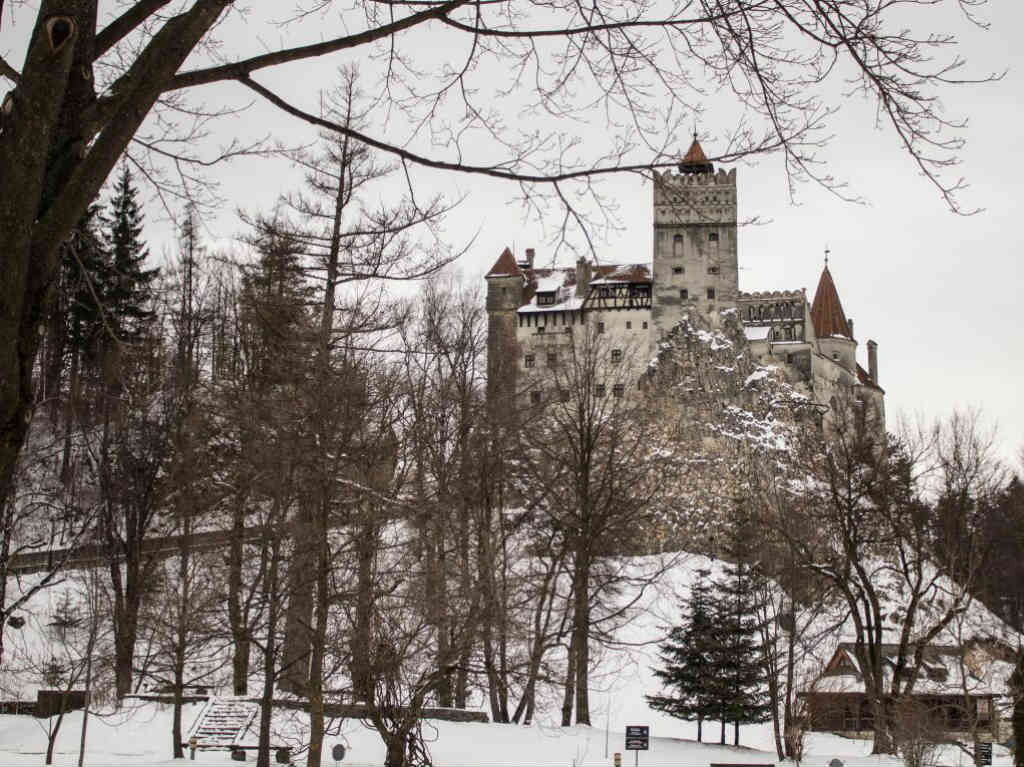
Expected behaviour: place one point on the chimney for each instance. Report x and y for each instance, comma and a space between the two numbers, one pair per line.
530, 253
849, 321
582, 277
873, 362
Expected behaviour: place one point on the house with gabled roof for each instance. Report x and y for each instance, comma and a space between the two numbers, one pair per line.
534, 312
958, 686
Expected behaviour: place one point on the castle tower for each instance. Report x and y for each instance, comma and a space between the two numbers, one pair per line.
835, 336
505, 294
694, 263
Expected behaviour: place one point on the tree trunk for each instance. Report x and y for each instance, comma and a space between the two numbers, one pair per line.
269, 653
298, 627
362, 631
237, 616
395, 751
581, 634
570, 684
319, 643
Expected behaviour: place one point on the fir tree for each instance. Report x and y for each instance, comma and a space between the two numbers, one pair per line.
127, 290
687, 657
738, 684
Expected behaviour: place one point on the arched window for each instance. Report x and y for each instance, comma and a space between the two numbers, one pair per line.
677, 246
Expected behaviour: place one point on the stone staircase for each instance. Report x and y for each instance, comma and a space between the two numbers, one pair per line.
223, 722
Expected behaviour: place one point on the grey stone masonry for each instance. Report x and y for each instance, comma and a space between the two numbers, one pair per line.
695, 246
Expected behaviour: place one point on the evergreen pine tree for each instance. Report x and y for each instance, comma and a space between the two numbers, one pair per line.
687, 657
127, 289
737, 684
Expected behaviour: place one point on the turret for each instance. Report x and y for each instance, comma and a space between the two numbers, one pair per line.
835, 337
506, 287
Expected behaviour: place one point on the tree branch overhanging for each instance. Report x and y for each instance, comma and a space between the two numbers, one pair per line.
240, 69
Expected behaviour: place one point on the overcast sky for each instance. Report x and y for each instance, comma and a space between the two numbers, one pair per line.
937, 291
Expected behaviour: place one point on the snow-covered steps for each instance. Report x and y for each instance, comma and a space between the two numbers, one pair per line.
223, 722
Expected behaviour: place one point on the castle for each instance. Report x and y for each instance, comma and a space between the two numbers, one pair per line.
533, 312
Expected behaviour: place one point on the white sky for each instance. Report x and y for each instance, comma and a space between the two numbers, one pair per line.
937, 291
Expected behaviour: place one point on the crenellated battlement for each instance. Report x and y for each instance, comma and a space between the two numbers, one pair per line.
721, 177
694, 198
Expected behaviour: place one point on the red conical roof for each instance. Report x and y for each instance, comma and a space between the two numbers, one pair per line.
695, 155
827, 310
695, 161
505, 266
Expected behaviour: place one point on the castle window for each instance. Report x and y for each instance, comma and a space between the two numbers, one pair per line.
618, 391
540, 330
677, 270
600, 327
684, 294
616, 355
677, 245
711, 292
535, 397
564, 394
567, 328
552, 358
835, 356
713, 270
599, 390
529, 361
713, 237
629, 325
645, 324
545, 299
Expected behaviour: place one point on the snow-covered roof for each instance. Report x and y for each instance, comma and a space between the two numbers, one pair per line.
618, 274
757, 332
550, 284
945, 670
571, 303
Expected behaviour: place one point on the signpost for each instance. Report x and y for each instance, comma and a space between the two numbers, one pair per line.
638, 738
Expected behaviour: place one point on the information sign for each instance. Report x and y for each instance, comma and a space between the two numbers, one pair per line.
638, 737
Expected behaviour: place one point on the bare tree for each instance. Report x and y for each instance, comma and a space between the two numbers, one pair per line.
85, 91
872, 543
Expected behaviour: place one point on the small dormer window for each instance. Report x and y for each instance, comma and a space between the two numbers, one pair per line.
545, 299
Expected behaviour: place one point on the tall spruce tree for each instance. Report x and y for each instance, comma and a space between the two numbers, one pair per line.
737, 683
687, 655
128, 286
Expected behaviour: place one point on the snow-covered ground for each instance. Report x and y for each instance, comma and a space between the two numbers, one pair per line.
141, 733
141, 737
